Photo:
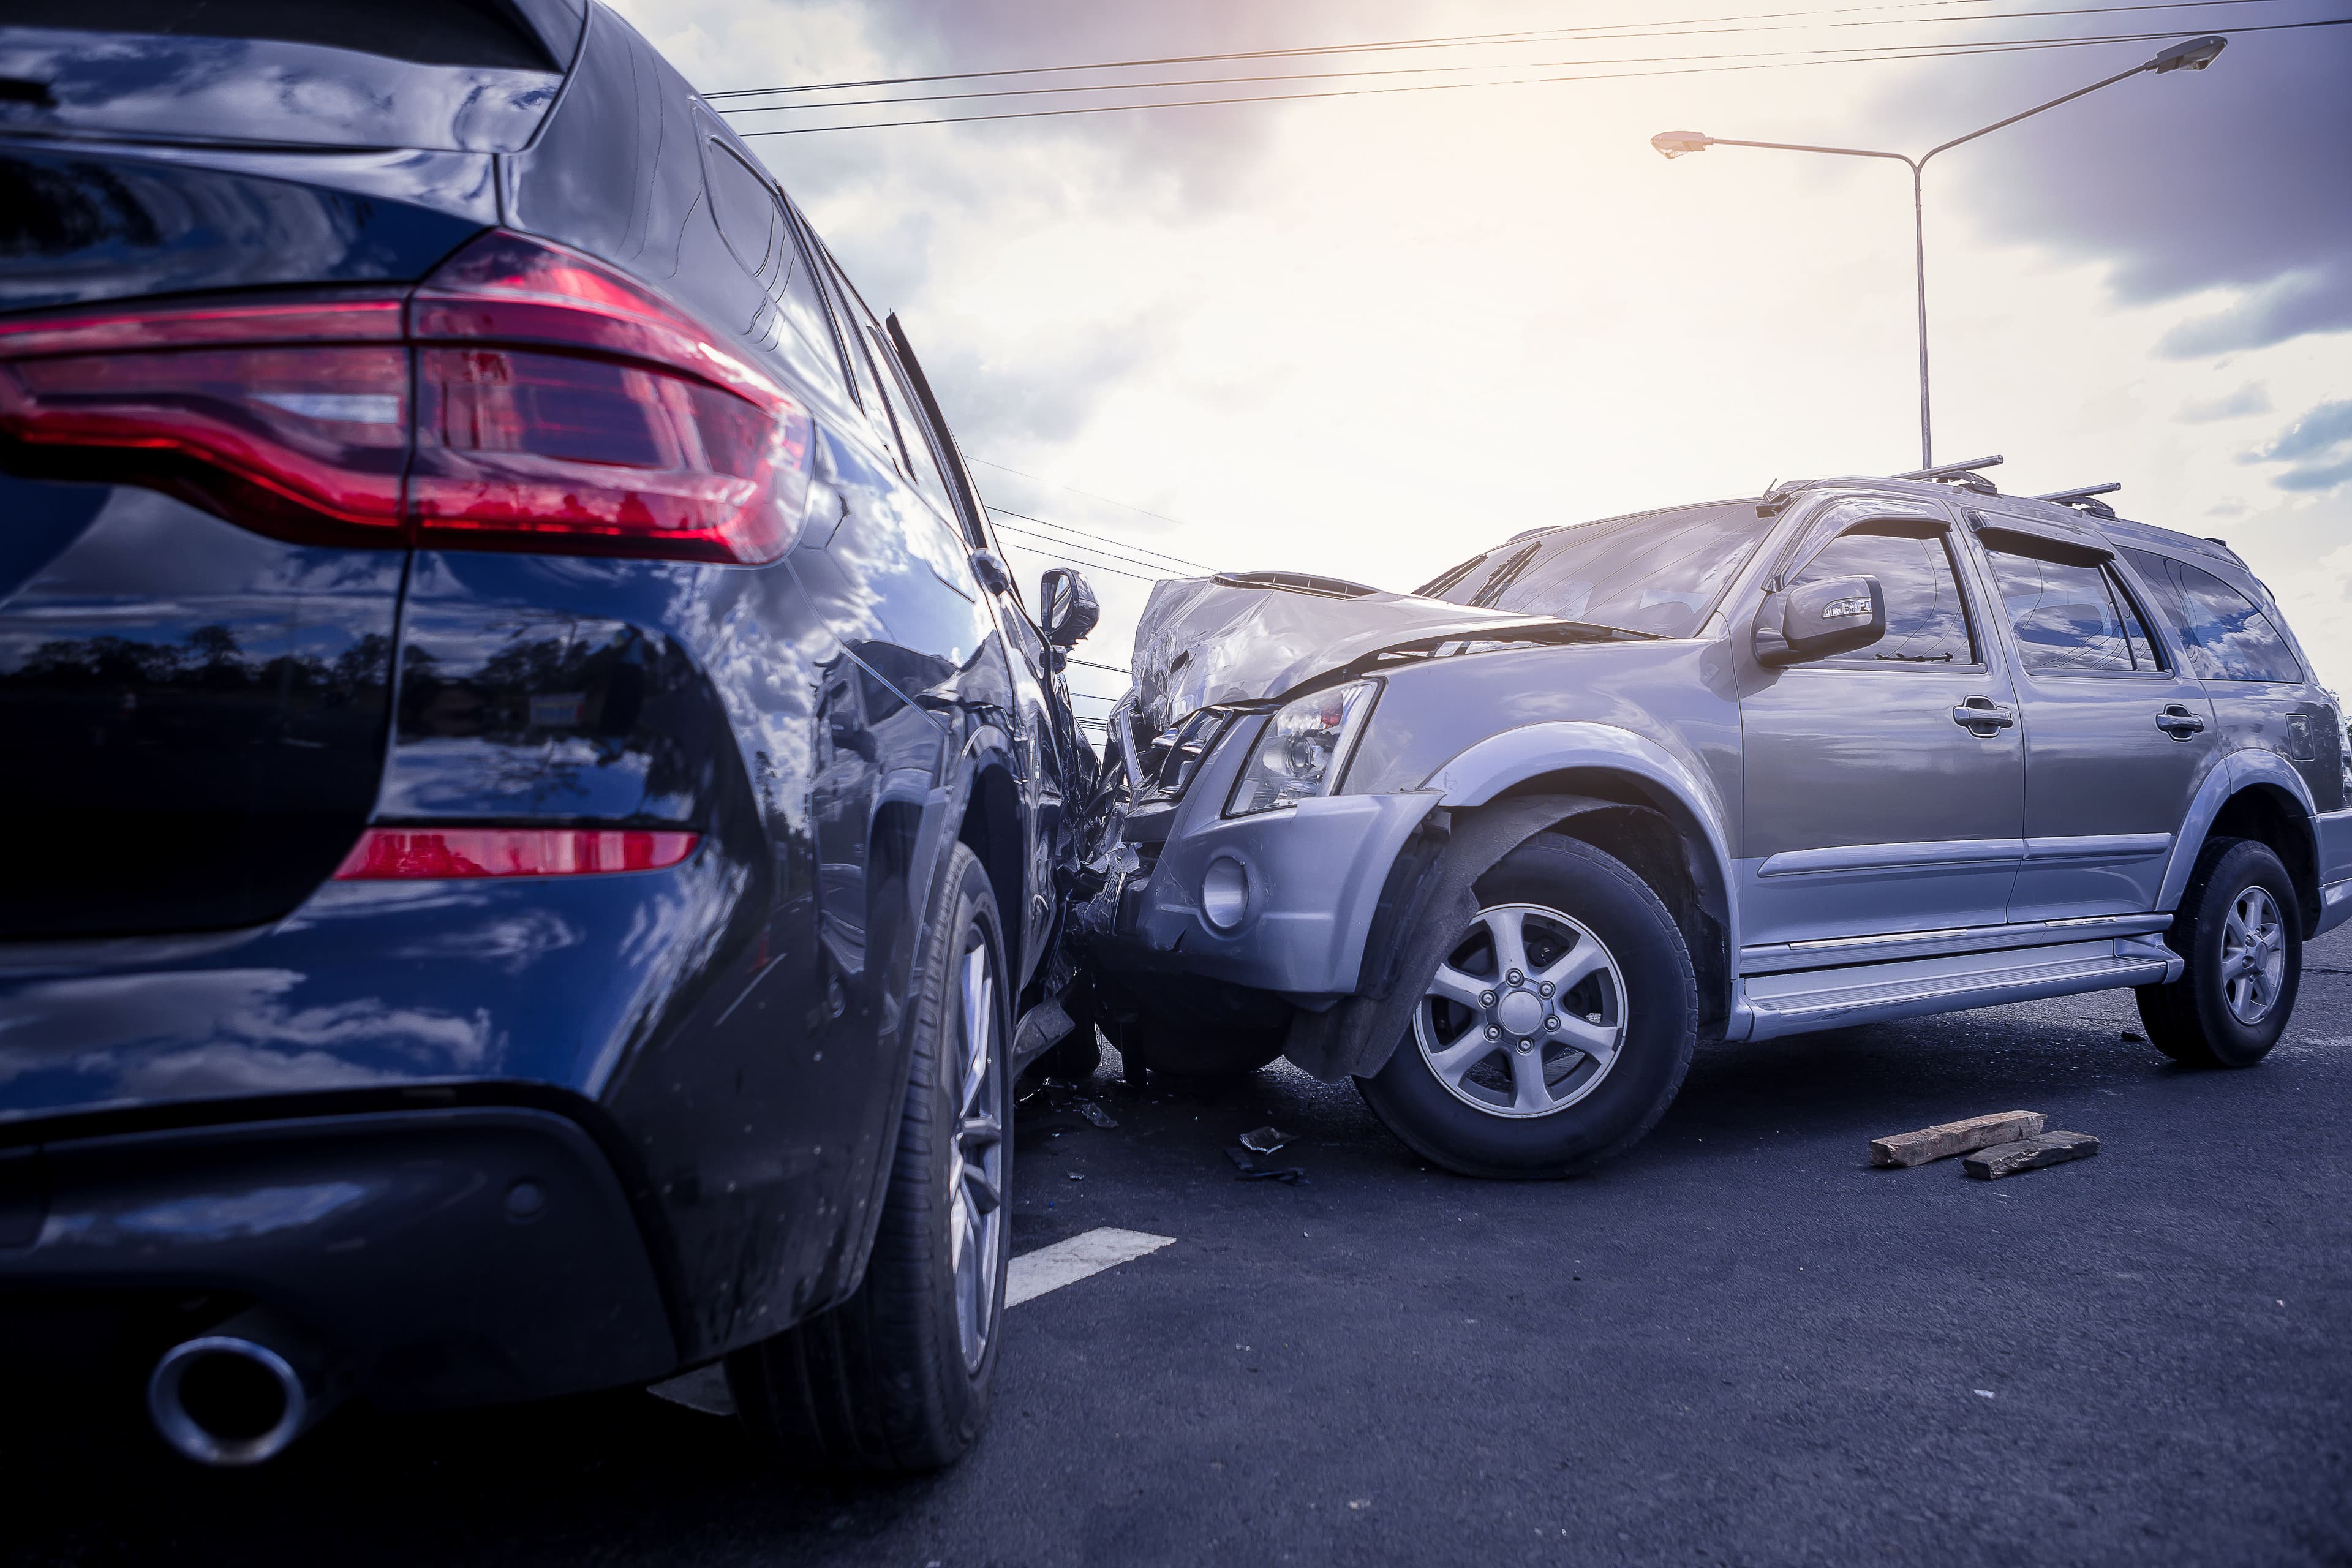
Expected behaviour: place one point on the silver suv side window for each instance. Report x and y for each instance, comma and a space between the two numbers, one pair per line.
1927, 623
2071, 618
2227, 637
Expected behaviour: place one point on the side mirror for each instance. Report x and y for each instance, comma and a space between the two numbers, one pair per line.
1817, 620
1069, 607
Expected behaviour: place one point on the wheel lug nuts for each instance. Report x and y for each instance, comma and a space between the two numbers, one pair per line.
1514, 977
1493, 1031
1544, 989
1485, 998
1525, 1046
1551, 1023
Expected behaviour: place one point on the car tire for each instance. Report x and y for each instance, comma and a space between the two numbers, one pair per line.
2239, 908
897, 1378
1206, 1052
1484, 1114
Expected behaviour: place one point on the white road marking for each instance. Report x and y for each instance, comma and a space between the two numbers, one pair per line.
1026, 1277
1033, 1274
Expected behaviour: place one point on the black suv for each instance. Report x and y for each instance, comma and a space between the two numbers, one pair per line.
542, 808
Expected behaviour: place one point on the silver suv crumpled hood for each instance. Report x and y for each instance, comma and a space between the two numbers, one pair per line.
1239, 637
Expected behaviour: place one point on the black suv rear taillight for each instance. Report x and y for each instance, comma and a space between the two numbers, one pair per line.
523, 397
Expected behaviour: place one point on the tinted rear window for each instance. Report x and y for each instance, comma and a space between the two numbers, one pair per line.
426, 32
2227, 637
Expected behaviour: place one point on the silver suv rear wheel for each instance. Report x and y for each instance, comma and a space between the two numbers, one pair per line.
2254, 955
2239, 931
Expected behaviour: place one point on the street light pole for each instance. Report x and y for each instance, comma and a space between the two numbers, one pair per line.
2194, 55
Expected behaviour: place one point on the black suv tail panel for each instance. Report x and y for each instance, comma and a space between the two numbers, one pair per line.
196, 713
78, 225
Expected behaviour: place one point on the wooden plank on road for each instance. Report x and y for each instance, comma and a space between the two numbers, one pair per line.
1951, 1138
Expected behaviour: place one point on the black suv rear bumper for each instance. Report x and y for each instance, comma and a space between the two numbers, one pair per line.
441, 1257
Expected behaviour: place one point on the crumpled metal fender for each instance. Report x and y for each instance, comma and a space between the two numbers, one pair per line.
1354, 1038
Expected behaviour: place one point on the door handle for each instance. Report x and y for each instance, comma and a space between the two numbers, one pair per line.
1981, 716
2179, 723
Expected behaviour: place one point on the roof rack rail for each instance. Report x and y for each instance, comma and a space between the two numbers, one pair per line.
1964, 475
2080, 499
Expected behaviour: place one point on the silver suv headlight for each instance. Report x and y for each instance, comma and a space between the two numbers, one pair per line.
1303, 749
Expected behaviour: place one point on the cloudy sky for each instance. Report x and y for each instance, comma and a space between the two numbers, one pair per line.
1371, 335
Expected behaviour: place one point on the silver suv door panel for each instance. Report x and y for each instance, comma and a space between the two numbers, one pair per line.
2118, 735
1873, 803
2262, 695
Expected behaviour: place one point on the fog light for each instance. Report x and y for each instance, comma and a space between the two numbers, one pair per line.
1225, 893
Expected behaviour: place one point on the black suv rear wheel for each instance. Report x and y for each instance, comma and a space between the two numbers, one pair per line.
1558, 1029
898, 1377
2240, 932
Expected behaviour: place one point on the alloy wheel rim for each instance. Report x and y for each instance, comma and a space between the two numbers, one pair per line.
2254, 955
1525, 1015
976, 1158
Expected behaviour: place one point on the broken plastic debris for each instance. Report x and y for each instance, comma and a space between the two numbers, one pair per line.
1065, 1098
1248, 1170
1983, 1392
1265, 1140
1076, 1176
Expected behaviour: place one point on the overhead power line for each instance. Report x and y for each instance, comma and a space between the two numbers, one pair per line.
1836, 57
1437, 41
1047, 544
1089, 565
1050, 541
1139, 550
1123, 506
1641, 33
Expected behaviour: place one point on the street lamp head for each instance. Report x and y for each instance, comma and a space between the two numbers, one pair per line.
2195, 55
1675, 143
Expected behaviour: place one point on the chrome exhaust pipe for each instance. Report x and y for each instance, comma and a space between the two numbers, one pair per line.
239, 1394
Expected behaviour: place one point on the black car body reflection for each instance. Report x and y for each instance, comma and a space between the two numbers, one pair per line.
588, 1129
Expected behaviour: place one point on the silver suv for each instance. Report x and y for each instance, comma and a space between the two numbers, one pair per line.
1503, 850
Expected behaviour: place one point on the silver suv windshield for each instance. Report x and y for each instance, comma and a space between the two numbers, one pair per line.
1658, 572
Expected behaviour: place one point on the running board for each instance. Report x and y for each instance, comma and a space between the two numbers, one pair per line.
1833, 952
1789, 1004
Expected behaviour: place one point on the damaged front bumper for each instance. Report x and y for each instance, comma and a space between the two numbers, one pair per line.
1281, 900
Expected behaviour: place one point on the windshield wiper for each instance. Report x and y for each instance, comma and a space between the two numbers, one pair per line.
1573, 631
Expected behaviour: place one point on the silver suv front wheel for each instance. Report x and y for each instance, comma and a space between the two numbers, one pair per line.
1557, 1029
1525, 1015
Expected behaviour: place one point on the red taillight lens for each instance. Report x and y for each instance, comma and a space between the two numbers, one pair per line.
399, 854
558, 407
595, 455
282, 425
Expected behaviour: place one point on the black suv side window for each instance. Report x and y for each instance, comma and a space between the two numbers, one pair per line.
922, 467
1926, 621
2071, 617
750, 218
2227, 637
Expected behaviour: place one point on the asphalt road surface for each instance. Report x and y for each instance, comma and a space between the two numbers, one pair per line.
1738, 1344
